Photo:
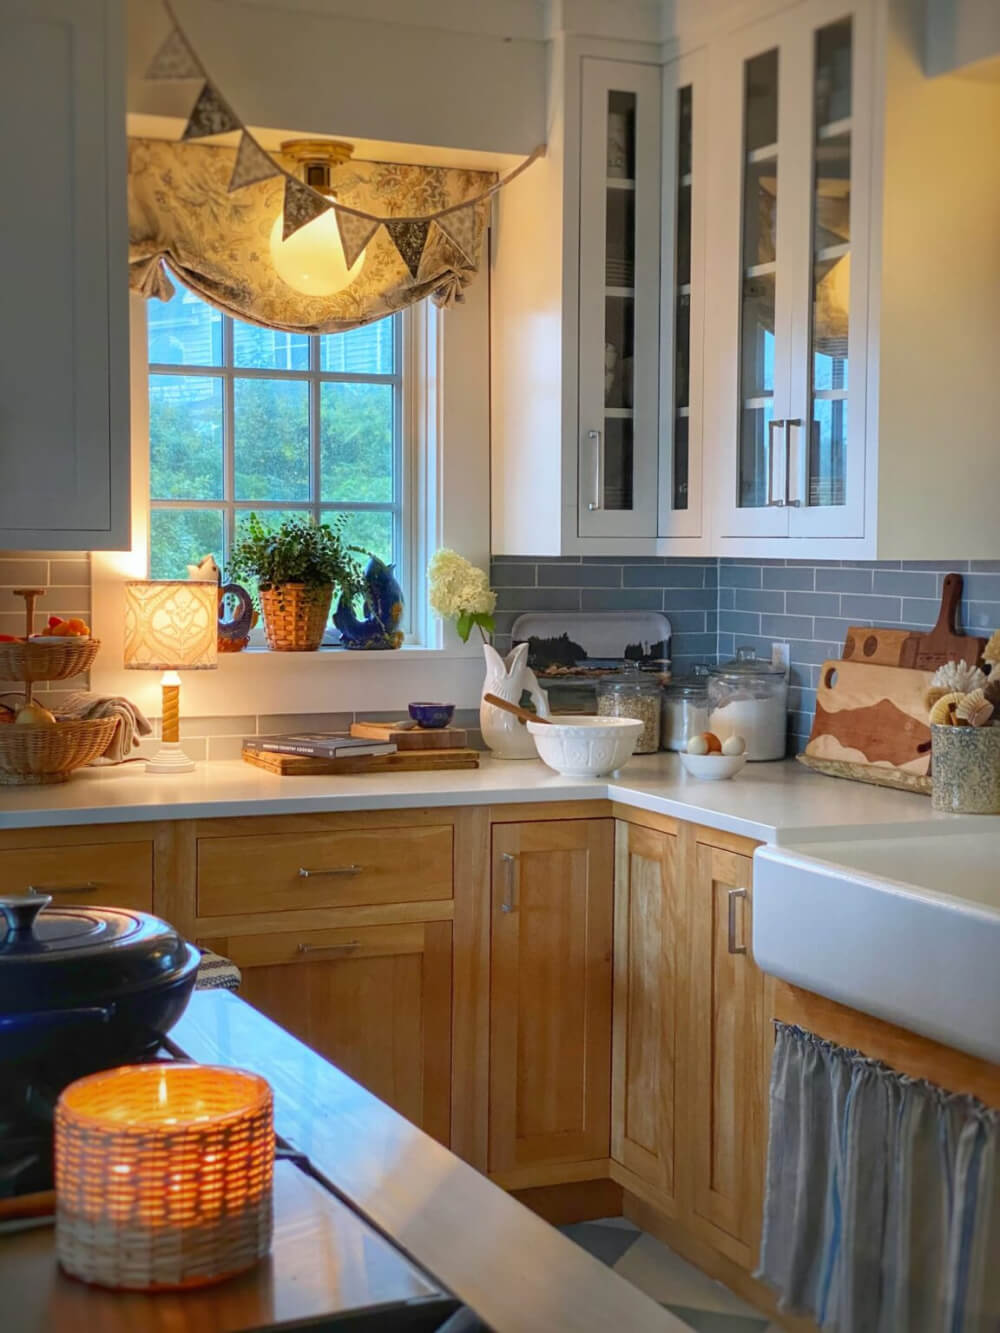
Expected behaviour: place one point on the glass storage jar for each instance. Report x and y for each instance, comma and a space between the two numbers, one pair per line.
748, 697
636, 695
684, 711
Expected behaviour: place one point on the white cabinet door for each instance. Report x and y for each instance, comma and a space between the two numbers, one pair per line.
619, 318
63, 275
791, 127
685, 146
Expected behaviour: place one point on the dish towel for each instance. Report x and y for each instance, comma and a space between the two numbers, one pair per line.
132, 722
882, 1210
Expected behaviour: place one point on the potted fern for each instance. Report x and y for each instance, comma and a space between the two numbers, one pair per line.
296, 566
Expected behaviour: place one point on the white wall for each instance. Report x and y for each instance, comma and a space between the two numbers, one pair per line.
345, 71
960, 33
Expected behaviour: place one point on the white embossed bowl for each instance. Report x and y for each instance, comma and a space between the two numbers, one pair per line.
585, 747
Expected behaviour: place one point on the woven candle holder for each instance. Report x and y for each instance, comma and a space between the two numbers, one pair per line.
163, 1176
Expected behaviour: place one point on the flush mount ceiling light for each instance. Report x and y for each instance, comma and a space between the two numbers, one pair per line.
312, 259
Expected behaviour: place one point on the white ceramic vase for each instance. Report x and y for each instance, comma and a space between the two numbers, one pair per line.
508, 677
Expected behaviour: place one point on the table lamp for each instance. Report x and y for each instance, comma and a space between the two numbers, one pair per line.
171, 625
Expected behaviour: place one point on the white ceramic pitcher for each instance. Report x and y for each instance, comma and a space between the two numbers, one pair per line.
508, 677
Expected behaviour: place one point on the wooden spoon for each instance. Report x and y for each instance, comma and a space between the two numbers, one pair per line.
522, 714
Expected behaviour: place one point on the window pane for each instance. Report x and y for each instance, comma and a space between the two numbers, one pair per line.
761, 101
180, 537
184, 331
371, 529
185, 437
269, 349
356, 453
271, 427
366, 351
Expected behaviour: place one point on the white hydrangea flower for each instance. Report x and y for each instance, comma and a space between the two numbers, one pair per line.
458, 587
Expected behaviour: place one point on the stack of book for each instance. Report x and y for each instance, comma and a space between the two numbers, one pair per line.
316, 753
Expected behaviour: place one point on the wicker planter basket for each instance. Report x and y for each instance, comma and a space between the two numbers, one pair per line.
35, 661
31, 755
295, 616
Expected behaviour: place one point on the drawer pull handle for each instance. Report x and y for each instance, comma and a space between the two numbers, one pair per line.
510, 877
734, 894
91, 886
349, 947
305, 873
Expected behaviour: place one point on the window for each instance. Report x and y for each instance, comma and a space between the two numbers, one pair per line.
252, 420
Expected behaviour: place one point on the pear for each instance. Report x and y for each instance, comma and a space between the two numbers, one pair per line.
34, 714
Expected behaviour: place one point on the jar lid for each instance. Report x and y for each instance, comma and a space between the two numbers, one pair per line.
747, 663
687, 687
631, 680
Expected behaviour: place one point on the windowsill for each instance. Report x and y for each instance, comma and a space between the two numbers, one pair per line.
329, 651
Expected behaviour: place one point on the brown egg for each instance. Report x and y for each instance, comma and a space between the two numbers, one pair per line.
712, 741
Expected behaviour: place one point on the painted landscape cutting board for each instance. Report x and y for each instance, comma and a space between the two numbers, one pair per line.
872, 715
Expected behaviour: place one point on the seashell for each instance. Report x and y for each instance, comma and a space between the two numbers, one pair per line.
959, 677
991, 653
943, 712
975, 709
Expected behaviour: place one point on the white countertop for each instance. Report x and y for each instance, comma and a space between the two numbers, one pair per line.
771, 802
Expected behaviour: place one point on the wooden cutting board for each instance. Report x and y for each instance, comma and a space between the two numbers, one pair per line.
880, 647
944, 643
406, 736
872, 715
409, 761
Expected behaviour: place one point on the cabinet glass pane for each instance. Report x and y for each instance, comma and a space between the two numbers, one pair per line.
759, 250
682, 312
831, 266
616, 467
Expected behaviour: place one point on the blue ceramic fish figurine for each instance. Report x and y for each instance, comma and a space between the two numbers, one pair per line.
383, 604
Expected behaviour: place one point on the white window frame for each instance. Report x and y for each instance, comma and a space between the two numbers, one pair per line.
404, 469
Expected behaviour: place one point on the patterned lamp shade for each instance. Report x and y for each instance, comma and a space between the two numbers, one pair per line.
164, 1175
171, 625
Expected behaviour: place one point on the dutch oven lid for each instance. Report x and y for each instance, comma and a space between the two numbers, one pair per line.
63, 957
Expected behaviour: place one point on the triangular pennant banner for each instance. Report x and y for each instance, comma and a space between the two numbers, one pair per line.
175, 60
301, 206
460, 227
355, 233
252, 164
409, 236
210, 116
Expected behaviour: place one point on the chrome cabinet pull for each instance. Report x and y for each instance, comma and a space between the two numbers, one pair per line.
509, 883
792, 421
772, 426
349, 947
598, 501
91, 886
733, 895
329, 870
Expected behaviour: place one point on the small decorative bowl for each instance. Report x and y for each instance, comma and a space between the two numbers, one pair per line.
712, 767
431, 716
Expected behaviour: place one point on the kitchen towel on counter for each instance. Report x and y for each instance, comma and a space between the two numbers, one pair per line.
882, 1210
132, 722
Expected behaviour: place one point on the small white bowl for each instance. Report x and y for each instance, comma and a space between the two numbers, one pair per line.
585, 747
712, 767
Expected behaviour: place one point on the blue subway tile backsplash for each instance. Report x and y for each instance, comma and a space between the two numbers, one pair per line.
715, 606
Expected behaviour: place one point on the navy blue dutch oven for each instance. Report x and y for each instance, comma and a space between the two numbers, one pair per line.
86, 988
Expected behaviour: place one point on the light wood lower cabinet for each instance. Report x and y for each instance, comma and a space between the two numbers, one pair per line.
550, 993
725, 1053
649, 936
375, 1000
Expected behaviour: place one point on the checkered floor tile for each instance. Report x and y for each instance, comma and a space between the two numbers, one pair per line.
697, 1301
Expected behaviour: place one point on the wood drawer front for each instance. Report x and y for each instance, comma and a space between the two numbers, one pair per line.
347, 868
309, 946
105, 874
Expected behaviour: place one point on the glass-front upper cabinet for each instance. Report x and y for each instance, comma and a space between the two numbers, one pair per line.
619, 299
682, 308
789, 407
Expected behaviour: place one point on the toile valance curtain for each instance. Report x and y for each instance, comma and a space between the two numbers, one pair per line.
181, 218
882, 1212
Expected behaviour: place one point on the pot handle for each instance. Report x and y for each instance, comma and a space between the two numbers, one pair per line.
53, 1018
19, 911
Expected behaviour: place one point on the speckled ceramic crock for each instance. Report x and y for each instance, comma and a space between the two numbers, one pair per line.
965, 769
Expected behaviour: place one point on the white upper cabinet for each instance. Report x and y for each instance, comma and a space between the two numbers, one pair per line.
786, 387
619, 299
64, 473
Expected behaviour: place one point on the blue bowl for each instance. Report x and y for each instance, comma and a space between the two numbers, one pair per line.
431, 716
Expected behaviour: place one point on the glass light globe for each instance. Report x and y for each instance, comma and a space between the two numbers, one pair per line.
312, 259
